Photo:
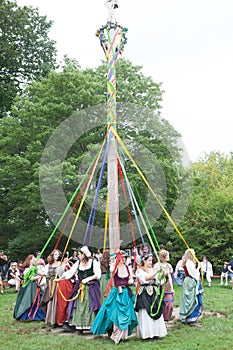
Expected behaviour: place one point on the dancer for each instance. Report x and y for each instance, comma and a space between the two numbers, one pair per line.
27, 305
85, 297
191, 299
64, 290
105, 273
149, 304
167, 271
117, 316
49, 300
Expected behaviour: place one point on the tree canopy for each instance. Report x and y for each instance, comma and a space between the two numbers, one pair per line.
208, 224
46, 104
26, 51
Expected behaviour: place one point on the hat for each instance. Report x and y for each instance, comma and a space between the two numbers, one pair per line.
86, 251
14, 263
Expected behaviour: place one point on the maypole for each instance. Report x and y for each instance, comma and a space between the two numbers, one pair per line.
112, 39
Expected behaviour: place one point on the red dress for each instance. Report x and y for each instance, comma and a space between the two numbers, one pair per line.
64, 290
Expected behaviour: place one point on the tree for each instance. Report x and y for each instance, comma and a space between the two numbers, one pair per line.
26, 51
66, 98
208, 225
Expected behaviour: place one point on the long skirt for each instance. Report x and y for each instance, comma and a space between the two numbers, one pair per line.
191, 306
150, 328
103, 284
169, 301
27, 305
64, 290
82, 318
49, 302
150, 307
117, 314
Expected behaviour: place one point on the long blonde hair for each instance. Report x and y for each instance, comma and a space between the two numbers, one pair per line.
189, 255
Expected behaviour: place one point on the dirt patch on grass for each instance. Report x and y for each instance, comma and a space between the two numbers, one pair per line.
210, 313
176, 310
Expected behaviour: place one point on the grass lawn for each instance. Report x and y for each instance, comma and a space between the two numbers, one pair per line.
215, 334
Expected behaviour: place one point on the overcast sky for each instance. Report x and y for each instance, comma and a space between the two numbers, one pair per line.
185, 44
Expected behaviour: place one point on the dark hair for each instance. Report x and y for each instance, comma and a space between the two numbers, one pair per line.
143, 258
66, 255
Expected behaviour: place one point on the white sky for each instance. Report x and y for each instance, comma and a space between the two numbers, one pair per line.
185, 44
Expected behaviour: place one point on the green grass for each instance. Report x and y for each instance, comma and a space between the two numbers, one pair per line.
216, 333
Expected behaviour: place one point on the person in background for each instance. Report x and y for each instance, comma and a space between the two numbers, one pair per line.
207, 268
14, 279
179, 273
85, 297
98, 255
74, 258
20, 269
5, 265
151, 323
143, 251
116, 316
1, 283
230, 273
224, 274
191, 306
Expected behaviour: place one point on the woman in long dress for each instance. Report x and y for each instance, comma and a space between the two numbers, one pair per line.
64, 290
149, 303
167, 281
27, 305
191, 299
117, 317
49, 300
105, 273
84, 301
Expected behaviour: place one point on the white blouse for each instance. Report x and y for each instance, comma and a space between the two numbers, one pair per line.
193, 271
141, 276
96, 269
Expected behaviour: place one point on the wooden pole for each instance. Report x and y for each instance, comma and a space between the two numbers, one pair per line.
112, 39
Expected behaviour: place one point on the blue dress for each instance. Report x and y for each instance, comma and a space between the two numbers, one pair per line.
117, 309
27, 305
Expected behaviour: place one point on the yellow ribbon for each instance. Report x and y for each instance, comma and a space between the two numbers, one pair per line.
81, 292
149, 187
